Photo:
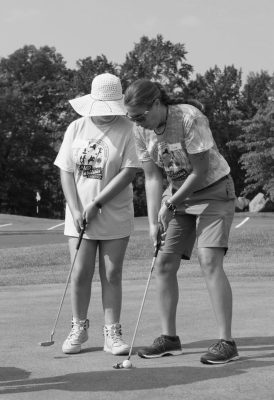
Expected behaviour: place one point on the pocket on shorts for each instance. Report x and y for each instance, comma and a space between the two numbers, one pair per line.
223, 190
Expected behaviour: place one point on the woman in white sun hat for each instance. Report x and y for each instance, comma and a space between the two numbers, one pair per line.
98, 162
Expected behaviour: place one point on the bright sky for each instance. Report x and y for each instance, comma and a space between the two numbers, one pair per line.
215, 32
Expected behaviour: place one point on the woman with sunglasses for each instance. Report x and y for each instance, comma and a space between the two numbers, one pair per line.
175, 140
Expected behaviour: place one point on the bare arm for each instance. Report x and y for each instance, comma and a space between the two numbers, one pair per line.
70, 193
200, 163
114, 187
154, 191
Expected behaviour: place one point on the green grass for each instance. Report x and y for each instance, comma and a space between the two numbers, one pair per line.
251, 255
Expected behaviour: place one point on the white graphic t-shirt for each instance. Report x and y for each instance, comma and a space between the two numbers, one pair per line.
95, 155
187, 132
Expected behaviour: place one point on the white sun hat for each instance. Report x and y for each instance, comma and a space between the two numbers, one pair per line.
106, 98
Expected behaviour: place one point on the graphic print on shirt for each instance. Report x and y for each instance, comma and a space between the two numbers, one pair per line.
173, 159
90, 158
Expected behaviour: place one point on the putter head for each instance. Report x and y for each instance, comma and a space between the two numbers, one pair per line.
46, 344
118, 366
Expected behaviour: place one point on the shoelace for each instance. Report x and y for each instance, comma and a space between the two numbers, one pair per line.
76, 330
221, 347
159, 341
115, 335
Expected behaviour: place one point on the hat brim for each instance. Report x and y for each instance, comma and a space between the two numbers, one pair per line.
89, 107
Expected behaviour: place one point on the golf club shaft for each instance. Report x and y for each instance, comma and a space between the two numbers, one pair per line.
68, 278
142, 306
158, 245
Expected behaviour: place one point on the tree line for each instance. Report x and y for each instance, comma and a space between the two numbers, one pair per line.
35, 86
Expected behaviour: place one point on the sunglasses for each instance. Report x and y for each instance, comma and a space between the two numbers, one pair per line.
140, 117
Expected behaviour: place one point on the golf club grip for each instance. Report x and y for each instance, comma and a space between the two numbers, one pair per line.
158, 245
81, 234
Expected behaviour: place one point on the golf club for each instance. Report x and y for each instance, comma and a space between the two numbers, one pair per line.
51, 342
127, 363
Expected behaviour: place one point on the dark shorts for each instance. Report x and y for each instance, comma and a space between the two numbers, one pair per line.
206, 216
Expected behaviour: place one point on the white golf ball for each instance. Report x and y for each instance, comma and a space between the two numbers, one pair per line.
127, 364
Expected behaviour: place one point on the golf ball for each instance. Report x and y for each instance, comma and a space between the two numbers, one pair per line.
127, 364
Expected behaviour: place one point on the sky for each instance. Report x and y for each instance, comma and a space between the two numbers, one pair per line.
214, 32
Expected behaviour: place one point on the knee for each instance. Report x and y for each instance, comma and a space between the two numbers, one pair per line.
210, 264
165, 270
114, 277
80, 278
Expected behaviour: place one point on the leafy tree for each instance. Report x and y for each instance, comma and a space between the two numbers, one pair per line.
35, 87
158, 60
257, 145
32, 119
254, 94
88, 69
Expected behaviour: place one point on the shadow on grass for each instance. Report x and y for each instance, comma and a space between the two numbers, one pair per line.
14, 380
85, 350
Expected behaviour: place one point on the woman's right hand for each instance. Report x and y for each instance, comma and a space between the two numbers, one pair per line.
78, 220
154, 232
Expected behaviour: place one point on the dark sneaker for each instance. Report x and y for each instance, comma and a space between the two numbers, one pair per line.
161, 346
221, 352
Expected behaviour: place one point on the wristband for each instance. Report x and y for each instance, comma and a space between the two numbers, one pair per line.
170, 206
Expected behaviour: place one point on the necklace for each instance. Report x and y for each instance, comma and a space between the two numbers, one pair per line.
164, 125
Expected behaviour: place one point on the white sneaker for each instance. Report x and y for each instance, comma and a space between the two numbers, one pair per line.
77, 336
114, 343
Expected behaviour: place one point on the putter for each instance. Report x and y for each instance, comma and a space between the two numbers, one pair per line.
51, 342
158, 245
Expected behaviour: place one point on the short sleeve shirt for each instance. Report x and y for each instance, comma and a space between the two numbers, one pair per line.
187, 132
95, 155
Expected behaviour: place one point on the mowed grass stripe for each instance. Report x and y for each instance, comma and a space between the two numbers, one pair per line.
251, 254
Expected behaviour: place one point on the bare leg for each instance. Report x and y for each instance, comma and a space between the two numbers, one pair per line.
82, 275
111, 257
167, 290
211, 261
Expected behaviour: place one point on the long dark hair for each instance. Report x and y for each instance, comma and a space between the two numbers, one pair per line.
144, 92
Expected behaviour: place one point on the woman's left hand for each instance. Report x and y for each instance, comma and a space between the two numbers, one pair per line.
164, 217
90, 212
